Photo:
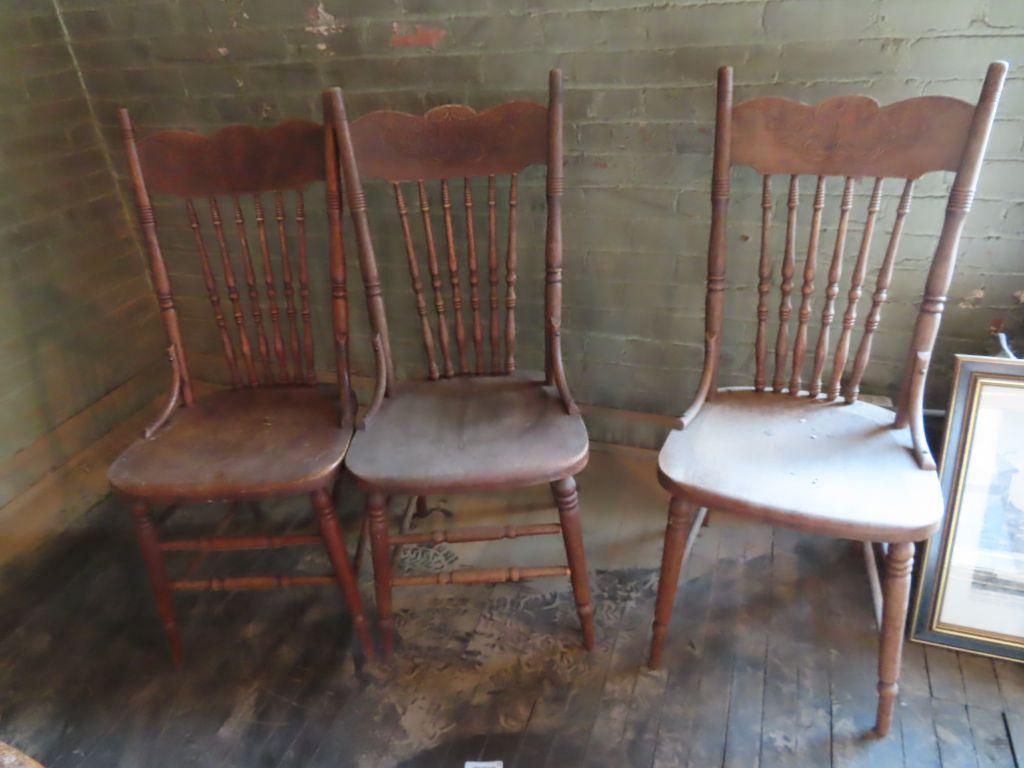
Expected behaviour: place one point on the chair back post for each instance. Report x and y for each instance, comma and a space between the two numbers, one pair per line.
157, 267
961, 197
719, 209
336, 256
553, 241
553, 367
713, 302
357, 209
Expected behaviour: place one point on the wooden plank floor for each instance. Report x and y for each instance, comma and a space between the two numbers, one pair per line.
771, 658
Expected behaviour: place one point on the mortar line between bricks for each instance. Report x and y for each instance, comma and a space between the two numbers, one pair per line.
606, 49
407, 20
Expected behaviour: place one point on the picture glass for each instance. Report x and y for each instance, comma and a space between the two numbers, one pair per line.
983, 584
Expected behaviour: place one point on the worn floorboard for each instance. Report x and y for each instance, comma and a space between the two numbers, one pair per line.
771, 658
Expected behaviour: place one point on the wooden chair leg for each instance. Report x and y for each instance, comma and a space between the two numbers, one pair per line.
376, 509
330, 530
874, 581
161, 585
898, 564
568, 502
336, 490
257, 512
684, 521
364, 534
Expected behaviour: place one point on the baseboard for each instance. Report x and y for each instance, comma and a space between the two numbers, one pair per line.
67, 491
61, 445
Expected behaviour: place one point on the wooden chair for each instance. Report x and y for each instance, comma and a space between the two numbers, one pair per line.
806, 453
475, 423
275, 432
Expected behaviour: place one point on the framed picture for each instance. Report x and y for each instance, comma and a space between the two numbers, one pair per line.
971, 593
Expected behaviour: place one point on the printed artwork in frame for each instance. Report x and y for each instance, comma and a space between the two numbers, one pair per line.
971, 592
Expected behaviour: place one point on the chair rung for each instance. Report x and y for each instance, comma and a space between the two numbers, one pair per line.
168, 512
481, 533
250, 582
480, 576
227, 543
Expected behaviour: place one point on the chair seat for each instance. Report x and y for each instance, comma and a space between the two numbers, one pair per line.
239, 444
824, 467
468, 433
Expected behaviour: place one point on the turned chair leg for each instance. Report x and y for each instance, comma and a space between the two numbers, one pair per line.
898, 564
364, 535
330, 530
380, 551
684, 521
161, 585
568, 502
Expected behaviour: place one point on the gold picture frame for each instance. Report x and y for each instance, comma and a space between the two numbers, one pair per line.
970, 596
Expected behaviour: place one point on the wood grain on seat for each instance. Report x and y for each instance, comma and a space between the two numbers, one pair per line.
239, 444
820, 466
468, 433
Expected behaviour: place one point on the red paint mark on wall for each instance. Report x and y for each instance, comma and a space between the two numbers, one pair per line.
418, 37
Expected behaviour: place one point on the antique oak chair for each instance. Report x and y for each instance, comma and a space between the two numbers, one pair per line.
275, 432
806, 453
475, 423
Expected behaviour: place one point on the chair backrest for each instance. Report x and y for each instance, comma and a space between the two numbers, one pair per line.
450, 143
240, 164
852, 138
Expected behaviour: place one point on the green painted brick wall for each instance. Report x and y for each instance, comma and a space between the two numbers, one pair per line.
640, 80
76, 316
